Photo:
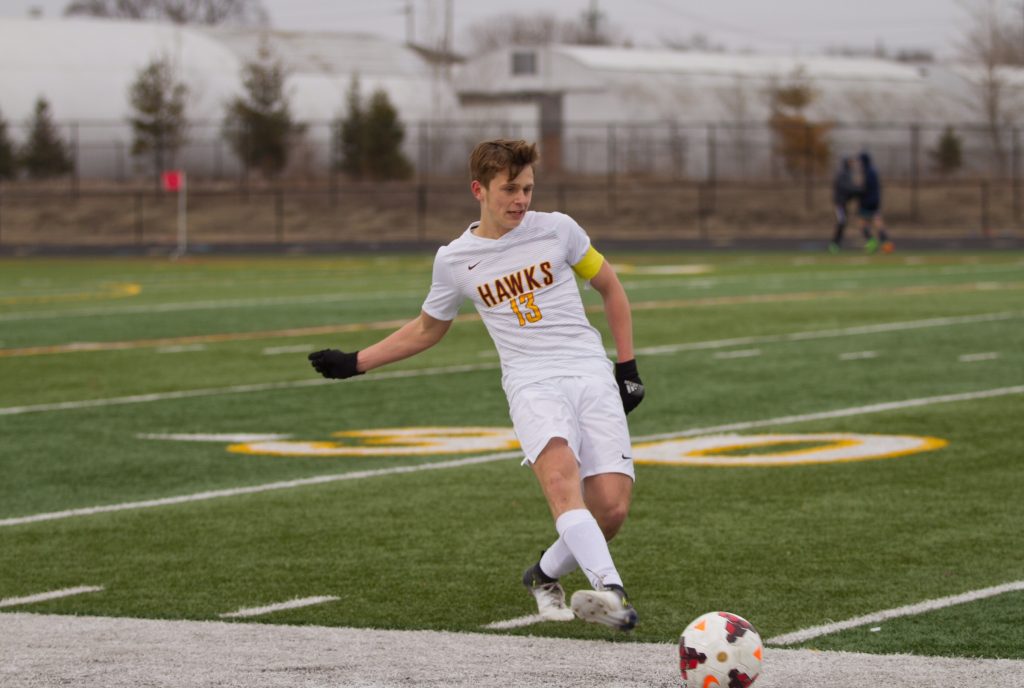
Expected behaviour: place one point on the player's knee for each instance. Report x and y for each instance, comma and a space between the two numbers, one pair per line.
611, 519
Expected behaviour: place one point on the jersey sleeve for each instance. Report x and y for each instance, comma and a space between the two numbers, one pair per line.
444, 299
580, 255
575, 239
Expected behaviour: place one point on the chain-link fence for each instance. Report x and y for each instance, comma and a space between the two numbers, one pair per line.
658, 180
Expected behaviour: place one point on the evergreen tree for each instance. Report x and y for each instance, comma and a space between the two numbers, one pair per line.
370, 138
351, 128
259, 124
947, 156
383, 140
208, 12
7, 161
159, 123
44, 154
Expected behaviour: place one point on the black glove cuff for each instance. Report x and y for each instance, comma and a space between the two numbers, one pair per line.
626, 369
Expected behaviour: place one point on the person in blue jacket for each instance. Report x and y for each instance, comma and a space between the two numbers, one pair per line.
844, 190
869, 208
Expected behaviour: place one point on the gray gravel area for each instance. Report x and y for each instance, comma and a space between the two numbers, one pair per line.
90, 652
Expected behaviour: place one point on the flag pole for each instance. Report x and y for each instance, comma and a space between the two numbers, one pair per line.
182, 216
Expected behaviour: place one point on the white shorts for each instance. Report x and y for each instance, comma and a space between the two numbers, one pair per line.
585, 411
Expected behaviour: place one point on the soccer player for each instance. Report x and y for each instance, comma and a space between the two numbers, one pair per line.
843, 190
568, 409
870, 208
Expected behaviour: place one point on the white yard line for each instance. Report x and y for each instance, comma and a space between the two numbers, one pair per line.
455, 463
227, 438
183, 349
47, 596
649, 351
839, 413
858, 355
518, 622
741, 353
973, 358
236, 389
255, 489
373, 297
291, 349
909, 610
831, 333
280, 606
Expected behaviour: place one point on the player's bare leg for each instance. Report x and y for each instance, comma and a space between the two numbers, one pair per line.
558, 474
608, 496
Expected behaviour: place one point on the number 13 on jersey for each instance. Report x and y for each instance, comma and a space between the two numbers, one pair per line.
529, 313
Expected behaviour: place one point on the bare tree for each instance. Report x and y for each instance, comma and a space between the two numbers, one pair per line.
540, 29
989, 44
208, 12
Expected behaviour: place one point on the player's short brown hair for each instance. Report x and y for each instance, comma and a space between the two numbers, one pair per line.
491, 157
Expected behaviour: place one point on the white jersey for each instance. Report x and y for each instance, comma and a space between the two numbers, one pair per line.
525, 290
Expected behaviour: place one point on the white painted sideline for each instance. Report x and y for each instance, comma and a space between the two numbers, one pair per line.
909, 610
280, 606
254, 489
518, 622
237, 389
649, 351
355, 475
47, 596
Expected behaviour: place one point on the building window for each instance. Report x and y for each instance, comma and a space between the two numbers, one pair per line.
524, 62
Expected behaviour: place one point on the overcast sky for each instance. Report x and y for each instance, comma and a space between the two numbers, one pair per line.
767, 26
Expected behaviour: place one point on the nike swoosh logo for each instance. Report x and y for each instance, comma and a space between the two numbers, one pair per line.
475, 264
627, 458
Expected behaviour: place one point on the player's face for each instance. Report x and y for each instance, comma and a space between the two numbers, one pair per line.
504, 201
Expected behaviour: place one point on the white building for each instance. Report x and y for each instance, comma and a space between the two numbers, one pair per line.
629, 108
594, 109
84, 68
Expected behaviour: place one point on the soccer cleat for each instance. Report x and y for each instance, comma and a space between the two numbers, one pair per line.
549, 595
871, 246
608, 606
833, 248
888, 247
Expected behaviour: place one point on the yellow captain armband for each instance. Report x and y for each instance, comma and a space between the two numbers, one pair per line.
589, 265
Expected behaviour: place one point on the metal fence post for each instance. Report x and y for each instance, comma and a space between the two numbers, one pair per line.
809, 166
613, 154
138, 217
985, 229
76, 156
712, 176
279, 214
915, 172
421, 211
1015, 176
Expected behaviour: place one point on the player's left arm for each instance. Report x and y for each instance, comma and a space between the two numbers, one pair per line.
620, 321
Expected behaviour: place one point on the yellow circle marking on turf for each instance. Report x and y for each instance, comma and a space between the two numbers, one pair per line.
391, 442
723, 450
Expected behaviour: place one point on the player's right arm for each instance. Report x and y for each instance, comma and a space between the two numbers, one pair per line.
415, 336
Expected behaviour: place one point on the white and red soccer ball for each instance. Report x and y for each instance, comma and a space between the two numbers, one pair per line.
720, 649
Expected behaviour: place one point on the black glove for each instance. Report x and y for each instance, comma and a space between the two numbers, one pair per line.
334, 363
631, 389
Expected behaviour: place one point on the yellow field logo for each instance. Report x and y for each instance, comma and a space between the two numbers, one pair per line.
712, 450
391, 442
781, 450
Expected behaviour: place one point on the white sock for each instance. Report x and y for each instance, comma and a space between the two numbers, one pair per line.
557, 560
584, 539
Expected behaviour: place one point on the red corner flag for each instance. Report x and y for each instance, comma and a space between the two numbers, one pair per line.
173, 180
